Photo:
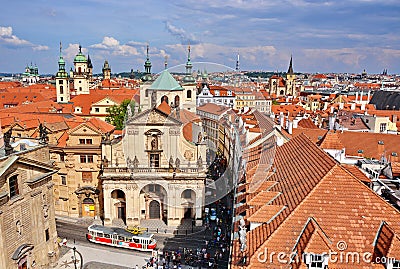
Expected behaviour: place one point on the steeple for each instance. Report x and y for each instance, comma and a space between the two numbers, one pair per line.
166, 62
106, 70
188, 76
61, 65
237, 62
290, 69
147, 67
90, 65
62, 81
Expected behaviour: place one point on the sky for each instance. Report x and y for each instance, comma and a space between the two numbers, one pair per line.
340, 36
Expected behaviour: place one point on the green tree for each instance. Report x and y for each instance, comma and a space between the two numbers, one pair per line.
116, 113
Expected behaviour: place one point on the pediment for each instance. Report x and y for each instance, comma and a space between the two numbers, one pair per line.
153, 117
107, 101
84, 129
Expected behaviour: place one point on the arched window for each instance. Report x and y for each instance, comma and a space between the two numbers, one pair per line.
189, 94
61, 89
176, 100
187, 194
164, 98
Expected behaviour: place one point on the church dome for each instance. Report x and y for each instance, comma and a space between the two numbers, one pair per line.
61, 60
80, 58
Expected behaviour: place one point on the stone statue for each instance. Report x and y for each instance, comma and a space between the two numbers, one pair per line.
154, 143
200, 162
171, 162
42, 134
199, 138
7, 142
177, 163
129, 162
129, 111
135, 162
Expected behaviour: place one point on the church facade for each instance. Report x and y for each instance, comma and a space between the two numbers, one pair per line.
157, 169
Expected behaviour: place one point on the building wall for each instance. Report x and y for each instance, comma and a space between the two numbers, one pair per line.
25, 217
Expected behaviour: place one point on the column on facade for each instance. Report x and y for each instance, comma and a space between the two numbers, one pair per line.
199, 206
131, 195
79, 205
172, 205
97, 206
107, 206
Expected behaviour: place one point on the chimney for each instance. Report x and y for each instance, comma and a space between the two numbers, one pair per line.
295, 123
290, 127
356, 97
381, 147
353, 106
341, 105
281, 119
369, 96
394, 157
361, 97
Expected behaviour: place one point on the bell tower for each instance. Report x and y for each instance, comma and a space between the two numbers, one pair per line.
290, 80
62, 81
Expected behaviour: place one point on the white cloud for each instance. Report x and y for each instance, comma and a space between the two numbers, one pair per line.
184, 36
7, 37
113, 47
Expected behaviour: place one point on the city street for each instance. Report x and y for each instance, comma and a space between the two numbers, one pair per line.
102, 257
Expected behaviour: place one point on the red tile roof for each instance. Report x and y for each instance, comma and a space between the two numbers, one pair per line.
314, 186
331, 140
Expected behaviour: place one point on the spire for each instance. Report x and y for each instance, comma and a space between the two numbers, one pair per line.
166, 62
188, 77
189, 52
80, 48
147, 67
290, 70
61, 64
90, 65
237, 62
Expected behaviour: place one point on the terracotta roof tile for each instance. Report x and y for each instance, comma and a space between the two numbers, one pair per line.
331, 140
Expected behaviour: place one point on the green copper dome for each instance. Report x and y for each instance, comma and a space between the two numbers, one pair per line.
61, 60
80, 58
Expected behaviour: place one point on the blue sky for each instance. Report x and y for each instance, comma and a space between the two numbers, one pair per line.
322, 36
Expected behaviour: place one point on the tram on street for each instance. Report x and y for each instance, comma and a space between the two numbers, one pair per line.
120, 237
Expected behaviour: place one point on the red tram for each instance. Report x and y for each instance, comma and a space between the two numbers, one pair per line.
119, 237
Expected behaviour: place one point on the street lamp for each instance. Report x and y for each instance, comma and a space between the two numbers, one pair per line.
74, 259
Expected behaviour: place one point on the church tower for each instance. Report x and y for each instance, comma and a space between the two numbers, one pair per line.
189, 84
147, 67
90, 68
106, 70
62, 81
290, 80
237, 64
81, 74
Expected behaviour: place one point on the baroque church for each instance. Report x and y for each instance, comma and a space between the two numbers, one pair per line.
78, 81
157, 170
